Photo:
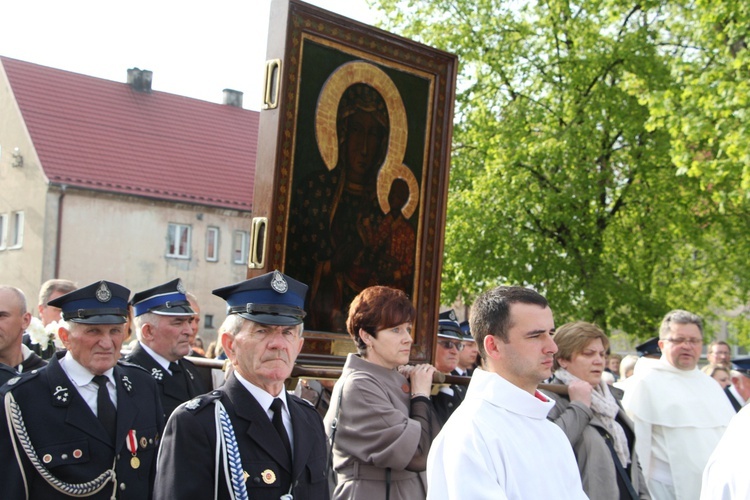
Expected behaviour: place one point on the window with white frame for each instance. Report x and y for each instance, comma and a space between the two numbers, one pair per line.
178, 241
15, 236
3, 231
240, 247
212, 244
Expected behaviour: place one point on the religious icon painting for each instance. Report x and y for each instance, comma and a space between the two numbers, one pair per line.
360, 121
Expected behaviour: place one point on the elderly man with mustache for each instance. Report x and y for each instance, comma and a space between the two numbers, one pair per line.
250, 438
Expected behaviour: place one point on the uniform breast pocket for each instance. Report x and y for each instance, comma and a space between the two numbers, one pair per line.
316, 469
70, 453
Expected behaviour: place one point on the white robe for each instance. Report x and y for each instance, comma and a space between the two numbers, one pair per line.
499, 445
726, 476
679, 417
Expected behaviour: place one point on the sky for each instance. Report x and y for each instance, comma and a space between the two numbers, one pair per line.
194, 48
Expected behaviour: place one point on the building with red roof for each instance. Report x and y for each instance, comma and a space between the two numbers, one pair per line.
111, 180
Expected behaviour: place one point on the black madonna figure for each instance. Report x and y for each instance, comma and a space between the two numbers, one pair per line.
335, 214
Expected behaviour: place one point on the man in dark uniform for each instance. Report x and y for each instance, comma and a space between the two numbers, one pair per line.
738, 391
467, 358
162, 318
85, 424
449, 345
15, 357
270, 443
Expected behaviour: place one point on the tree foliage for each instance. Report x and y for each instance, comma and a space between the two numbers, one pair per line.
568, 173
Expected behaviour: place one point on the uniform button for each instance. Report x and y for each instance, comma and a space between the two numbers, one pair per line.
122, 486
77, 453
256, 480
47, 458
64, 456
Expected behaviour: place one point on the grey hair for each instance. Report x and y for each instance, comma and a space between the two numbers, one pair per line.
680, 317
150, 318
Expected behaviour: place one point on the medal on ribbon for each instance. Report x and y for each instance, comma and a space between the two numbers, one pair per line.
132, 444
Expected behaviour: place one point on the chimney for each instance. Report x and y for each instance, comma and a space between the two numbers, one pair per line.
140, 80
233, 98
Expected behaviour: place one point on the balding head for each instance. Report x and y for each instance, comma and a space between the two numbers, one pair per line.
14, 319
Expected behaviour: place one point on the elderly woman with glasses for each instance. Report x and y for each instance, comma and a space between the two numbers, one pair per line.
381, 419
592, 417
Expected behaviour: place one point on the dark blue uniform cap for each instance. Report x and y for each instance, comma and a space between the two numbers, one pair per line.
649, 347
100, 303
466, 332
270, 299
742, 365
448, 326
166, 300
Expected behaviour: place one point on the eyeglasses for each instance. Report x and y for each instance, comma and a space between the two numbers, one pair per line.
681, 340
448, 344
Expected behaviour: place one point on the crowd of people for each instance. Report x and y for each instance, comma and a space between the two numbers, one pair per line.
547, 412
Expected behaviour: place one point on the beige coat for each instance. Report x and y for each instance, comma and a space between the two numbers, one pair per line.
598, 473
374, 433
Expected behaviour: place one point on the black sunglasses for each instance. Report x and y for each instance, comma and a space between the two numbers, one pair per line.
448, 344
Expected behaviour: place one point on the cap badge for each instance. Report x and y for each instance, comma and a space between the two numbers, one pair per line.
181, 287
278, 283
102, 293
452, 315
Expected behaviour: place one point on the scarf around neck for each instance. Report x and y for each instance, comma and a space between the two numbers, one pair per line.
605, 408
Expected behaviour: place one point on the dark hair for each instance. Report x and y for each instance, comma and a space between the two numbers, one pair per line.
681, 317
490, 314
376, 308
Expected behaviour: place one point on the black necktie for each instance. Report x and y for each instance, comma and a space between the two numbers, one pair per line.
179, 377
105, 408
278, 423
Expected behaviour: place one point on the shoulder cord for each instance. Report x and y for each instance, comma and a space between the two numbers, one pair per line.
17, 426
232, 461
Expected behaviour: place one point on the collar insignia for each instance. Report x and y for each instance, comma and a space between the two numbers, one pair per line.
157, 373
61, 394
102, 293
127, 384
181, 287
193, 404
278, 283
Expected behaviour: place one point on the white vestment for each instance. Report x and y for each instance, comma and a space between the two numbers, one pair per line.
499, 445
726, 476
679, 417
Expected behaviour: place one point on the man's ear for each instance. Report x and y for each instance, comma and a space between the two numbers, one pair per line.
64, 334
227, 342
26, 321
492, 346
147, 331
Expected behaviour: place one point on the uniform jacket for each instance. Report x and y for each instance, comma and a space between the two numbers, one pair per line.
33, 362
172, 394
186, 464
445, 404
598, 473
71, 442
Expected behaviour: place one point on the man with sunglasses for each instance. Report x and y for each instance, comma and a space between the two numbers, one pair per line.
679, 412
449, 344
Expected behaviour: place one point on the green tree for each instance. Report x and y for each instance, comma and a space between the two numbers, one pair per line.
560, 177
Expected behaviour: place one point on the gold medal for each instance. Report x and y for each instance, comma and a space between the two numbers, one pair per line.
135, 462
269, 476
